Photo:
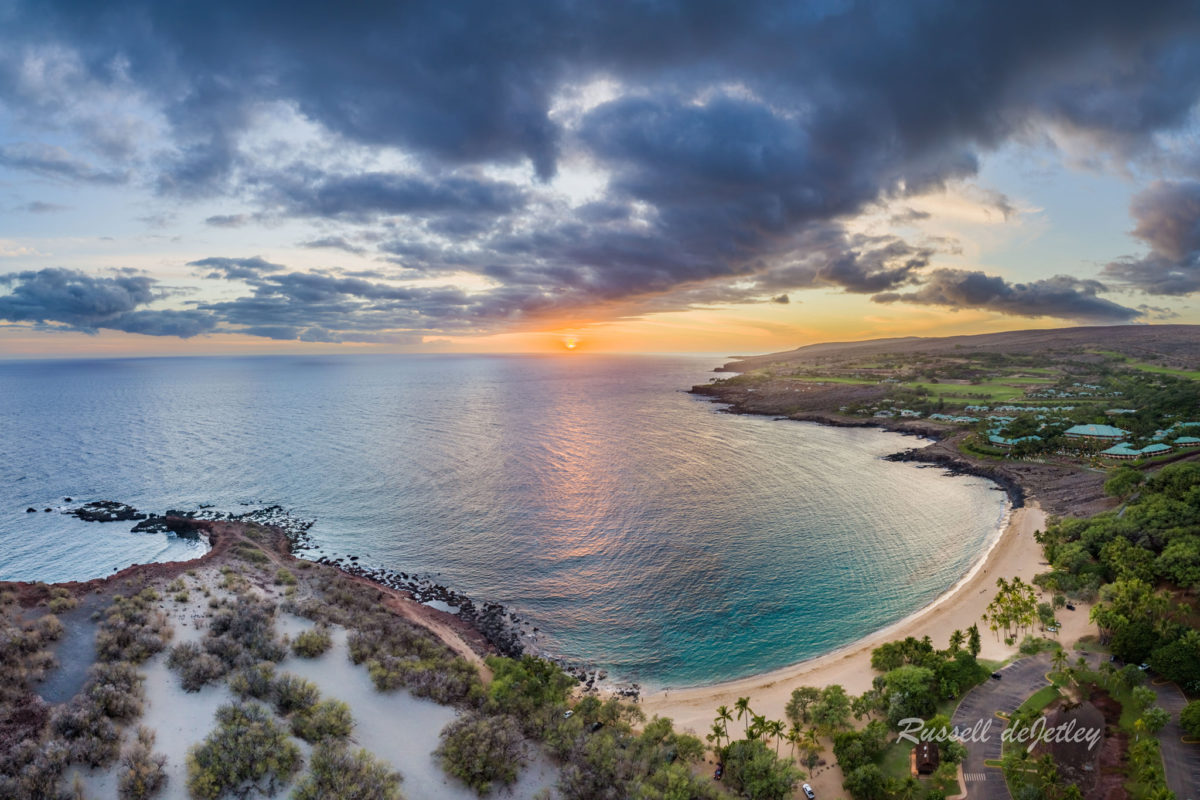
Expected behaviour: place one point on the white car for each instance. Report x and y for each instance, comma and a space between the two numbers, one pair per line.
808, 792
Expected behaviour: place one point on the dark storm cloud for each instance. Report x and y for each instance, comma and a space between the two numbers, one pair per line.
1061, 296
54, 162
1168, 220
88, 303
740, 139
236, 268
334, 243
228, 220
371, 194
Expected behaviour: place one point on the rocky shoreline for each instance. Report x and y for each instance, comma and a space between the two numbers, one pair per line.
503, 630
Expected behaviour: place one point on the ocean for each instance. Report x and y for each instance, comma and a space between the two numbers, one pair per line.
636, 526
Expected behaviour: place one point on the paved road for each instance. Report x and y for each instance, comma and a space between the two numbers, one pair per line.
1181, 761
1024, 677
978, 708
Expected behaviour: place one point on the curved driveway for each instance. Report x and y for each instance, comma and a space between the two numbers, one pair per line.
1024, 677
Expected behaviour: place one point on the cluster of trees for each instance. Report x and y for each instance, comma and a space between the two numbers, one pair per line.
601, 756
1014, 609
1122, 557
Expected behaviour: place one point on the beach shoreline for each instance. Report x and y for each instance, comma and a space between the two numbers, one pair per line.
1014, 552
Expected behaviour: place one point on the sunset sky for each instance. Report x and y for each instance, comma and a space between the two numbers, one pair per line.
254, 177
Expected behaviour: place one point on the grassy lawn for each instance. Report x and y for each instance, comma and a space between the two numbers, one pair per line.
832, 379
991, 391
1143, 366
897, 763
1040, 699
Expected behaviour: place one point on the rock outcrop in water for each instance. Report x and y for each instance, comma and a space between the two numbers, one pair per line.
105, 511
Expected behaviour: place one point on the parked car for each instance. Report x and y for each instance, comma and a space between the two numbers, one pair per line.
1070, 607
568, 714
996, 676
808, 792
720, 771
1052, 628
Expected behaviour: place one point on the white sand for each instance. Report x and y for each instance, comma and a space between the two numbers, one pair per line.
397, 727
1015, 553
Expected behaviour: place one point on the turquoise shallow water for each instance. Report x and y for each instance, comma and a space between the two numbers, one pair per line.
635, 525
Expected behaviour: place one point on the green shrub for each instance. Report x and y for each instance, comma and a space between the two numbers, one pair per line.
247, 749
58, 605
328, 719
131, 630
285, 577
292, 694
337, 774
49, 627
256, 681
312, 642
483, 750
196, 668
182, 597
242, 633
142, 774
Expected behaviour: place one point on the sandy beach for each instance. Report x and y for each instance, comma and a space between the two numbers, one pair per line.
1014, 553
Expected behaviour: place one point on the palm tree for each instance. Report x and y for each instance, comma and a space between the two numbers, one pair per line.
743, 712
909, 789
775, 728
716, 735
795, 735
758, 726
812, 744
1059, 660
724, 717
956, 641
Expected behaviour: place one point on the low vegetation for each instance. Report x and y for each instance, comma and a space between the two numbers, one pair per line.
248, 750
338, 774
312, 642
483, 751
142, 774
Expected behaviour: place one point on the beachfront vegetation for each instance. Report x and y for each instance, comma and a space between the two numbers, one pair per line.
132, 629
323, 721
1124, 558
338, 774
142, 774
1189, 719
312, 642
241, 634
248, 749
396, 652
483, 751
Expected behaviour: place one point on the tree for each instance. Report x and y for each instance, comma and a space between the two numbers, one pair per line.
247, 747
743, 712
774, 728
753, 770
973, 640
724, 717
910, 693
956, 641
1059, 660
832, 711
1155, 718
798, 705
1142, 697
1123, 482
866, 782
1189, 719
483, 750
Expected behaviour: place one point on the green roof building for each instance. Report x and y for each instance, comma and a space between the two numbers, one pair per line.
1095, 432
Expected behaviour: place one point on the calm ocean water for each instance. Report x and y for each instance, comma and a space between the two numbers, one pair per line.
636, 526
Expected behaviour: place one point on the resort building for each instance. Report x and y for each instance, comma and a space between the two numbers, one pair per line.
925, 758
1000, 441
1125, 451
1102, 432
1186, 441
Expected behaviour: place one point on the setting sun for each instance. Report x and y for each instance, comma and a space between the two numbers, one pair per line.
571, 342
